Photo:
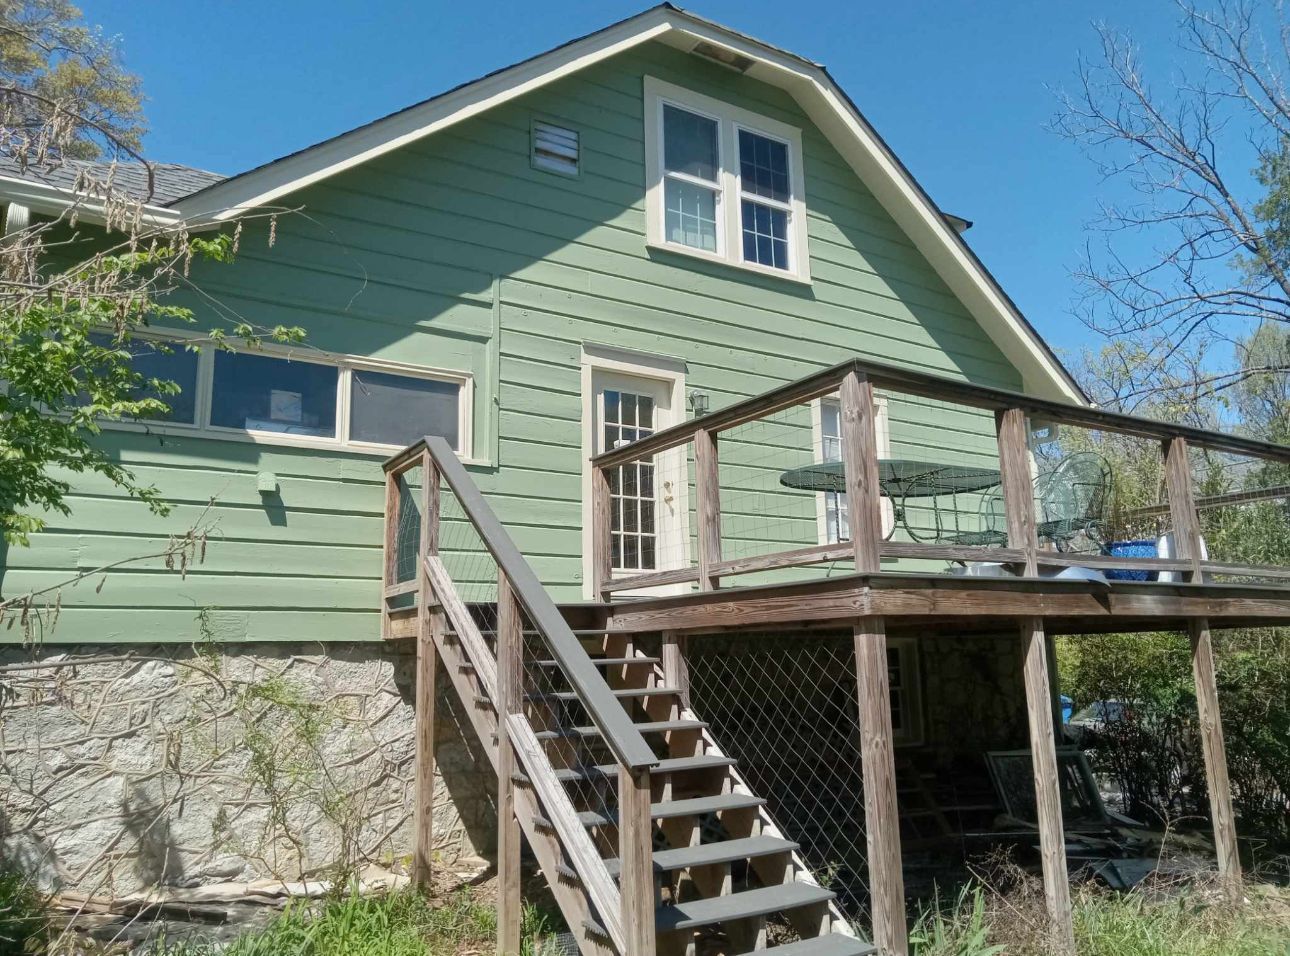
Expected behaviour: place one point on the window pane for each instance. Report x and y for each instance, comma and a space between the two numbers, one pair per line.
763, 166
262, 393
765, 235
691, 215
151, 361
399, 409
689, 143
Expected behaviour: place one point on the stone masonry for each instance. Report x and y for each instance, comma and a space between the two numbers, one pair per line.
129, 767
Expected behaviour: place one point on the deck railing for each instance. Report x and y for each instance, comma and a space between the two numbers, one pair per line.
724, 477
469, 579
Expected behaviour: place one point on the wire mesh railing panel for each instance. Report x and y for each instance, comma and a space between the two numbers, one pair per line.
785, 708
779, 488
1243, 509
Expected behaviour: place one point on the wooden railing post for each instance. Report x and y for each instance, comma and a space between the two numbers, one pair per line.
602, 569
390, 543
1019, 507
637, 882
430, 627
707, 484
510, 673
873, 690
1187, 545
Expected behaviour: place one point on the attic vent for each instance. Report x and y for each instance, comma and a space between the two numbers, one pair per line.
555, 149
722, 55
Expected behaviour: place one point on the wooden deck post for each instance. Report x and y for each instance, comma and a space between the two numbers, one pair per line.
602, 568
635, 851
873, 690
1187, 545
430, 627
509, 690
707, 484
1019, 505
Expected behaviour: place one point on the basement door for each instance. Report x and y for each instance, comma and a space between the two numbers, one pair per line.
648, 500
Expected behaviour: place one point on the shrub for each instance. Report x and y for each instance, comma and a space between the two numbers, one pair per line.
24, 923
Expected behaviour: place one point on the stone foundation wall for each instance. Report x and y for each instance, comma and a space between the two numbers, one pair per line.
974, 695
126, 767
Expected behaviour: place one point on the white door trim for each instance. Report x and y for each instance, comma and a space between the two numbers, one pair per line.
663, 369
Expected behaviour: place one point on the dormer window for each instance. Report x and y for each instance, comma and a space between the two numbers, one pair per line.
722, 183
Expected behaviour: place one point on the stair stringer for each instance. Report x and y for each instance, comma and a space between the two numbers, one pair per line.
575, 905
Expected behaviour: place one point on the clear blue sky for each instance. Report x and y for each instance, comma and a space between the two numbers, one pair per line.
963, 91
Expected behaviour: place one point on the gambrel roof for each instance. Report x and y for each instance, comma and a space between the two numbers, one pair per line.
808, 82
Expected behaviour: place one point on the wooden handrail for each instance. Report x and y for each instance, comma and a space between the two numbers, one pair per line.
605, 710
924, 385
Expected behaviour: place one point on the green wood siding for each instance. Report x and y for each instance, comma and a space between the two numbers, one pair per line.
454, 252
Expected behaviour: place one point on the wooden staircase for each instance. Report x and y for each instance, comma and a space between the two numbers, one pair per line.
723, 871
648, 836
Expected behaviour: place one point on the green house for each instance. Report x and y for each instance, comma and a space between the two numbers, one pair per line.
655, 221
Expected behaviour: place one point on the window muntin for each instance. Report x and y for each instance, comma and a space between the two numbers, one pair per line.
692, 185
835, 523
388, 409
724, 183
263, 393
632, 496
764, 200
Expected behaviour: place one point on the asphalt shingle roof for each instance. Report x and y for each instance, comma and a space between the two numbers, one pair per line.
171, 181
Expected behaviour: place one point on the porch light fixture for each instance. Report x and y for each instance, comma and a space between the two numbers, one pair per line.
699, 403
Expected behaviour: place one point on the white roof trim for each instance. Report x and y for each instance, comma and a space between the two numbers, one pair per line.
826, 104
55, 201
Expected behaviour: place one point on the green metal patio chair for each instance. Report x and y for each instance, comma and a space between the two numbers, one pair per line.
1070, 500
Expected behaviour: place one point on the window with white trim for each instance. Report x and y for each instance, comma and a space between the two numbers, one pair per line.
835, 522
723, 183
297, 397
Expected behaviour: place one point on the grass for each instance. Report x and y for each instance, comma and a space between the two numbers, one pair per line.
400, 924
1154, 922
23, 917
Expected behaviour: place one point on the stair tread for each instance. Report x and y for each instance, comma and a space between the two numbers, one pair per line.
670, 765
691, 806
759, 902
830, 944
619, 692
706, 854
656, 726
606, 661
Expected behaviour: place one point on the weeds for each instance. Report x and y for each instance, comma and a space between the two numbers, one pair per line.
400, 924
23, 914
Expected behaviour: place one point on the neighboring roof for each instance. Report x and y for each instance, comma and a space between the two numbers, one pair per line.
811, 86
170, 181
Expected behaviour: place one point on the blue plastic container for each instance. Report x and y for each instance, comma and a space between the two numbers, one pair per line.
1132, 549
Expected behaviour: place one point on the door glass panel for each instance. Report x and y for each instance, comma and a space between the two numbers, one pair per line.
627, 417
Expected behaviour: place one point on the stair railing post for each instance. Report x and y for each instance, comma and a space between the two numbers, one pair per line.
430, 627
636, 880
390, 545
707, 484
873, 689
510, 675
1019, 509
1188, 546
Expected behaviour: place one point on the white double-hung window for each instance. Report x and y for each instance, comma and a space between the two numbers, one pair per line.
723, 183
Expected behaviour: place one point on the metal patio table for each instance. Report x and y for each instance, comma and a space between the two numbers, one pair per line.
900, 479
